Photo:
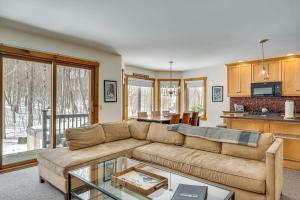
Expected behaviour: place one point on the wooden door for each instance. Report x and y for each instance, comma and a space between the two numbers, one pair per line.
291, 77
233, 74
245, 80
273, 69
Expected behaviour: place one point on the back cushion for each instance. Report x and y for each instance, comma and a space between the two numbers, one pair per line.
159, 133
78, 138
138, 130
202, 144
254, 153
116, 131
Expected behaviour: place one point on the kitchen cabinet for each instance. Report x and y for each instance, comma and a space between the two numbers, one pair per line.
239, 80
273, 69
291, 77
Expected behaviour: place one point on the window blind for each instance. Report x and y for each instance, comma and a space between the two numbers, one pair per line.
139, 82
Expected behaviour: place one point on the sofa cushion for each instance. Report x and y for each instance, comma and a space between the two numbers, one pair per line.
227, 170
202, 144
138, 130
116, 131
78, 138
255, 153
159, 133
61, 160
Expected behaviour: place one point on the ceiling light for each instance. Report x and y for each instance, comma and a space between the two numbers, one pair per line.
264, 71
240, 61
290, 54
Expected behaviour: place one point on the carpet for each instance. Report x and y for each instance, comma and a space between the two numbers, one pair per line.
24, 185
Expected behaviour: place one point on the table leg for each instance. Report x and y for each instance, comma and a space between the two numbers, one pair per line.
69, 187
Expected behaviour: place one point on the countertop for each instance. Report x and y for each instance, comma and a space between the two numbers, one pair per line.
261, 117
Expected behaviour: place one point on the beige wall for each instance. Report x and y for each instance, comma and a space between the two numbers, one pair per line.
110, 64
216, 76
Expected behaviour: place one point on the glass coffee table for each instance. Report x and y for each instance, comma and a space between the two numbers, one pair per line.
94, 182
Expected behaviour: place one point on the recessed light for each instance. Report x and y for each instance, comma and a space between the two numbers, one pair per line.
290, 54
240, 61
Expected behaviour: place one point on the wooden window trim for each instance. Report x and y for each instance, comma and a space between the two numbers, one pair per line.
48, 57
159, 93
204, 116
54, 60
125, 92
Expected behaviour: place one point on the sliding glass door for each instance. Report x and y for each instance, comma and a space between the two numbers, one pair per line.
41, 95
73, 100
26, 97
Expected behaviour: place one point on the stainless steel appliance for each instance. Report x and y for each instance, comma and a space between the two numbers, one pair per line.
270, 89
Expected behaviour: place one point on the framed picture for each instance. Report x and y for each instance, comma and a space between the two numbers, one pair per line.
217, 93
110, 91
110, 168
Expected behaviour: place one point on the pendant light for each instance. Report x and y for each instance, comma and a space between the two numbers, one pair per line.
170, 90
264, 71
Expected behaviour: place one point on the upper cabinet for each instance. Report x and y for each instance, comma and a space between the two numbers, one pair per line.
239, 80
291, 77
273, 69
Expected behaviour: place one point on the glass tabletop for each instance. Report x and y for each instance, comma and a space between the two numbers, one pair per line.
92, 181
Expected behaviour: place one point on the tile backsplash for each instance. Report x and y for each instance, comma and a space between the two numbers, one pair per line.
256, 104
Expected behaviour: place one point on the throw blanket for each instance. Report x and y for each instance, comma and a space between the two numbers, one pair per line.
247, 138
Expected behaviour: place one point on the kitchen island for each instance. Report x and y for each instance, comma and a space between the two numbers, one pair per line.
287, 129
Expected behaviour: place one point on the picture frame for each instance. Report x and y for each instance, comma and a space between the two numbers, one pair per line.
110, 91
217, 93
110, 168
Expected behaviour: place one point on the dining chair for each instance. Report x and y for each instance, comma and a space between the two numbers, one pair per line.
175, 118
195, 119
142, 114
155, 113
165, 113
186, 118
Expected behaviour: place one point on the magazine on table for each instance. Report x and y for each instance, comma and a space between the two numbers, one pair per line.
190, 192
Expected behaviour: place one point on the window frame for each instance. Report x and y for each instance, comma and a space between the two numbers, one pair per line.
125, 93
159, 92
54, 60
186, 98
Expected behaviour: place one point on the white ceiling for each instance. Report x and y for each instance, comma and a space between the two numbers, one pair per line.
149, 33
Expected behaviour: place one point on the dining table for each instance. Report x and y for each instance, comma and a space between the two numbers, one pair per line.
157, 119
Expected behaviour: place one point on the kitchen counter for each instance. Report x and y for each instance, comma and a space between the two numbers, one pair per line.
260, 117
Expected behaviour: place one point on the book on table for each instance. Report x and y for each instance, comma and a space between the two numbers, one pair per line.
190, 192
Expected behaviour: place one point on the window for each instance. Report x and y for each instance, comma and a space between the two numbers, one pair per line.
168, 102
195, 95
26, 96
140, 95
37, 89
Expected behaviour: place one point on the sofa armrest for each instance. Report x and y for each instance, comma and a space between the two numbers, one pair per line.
274, 170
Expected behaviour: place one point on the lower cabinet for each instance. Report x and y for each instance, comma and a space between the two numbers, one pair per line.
288, 131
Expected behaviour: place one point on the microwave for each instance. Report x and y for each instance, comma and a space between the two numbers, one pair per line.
270, 89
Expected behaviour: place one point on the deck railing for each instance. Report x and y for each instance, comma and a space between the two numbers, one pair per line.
63, 122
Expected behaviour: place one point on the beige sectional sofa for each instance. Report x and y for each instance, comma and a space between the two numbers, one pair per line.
253, 173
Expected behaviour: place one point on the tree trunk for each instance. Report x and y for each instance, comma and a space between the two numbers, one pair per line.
30, 97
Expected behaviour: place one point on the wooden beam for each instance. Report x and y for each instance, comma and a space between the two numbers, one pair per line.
26, 53
95, 95
53, 110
